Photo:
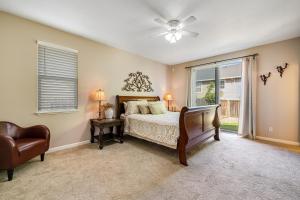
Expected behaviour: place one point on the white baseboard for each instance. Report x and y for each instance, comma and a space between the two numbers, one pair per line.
67, 146
278, 140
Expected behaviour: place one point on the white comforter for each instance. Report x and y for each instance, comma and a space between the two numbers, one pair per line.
162, 129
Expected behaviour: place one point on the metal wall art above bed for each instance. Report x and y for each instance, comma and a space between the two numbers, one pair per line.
137, 82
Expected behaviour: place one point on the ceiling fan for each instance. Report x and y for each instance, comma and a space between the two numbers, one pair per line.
175, 28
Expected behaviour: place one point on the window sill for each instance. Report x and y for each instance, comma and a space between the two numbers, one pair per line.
53, 112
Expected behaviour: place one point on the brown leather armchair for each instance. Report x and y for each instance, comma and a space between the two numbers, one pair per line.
18, 145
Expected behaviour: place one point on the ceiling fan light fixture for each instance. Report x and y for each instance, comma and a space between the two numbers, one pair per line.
173, 39
178, 35
168, 36
175, 28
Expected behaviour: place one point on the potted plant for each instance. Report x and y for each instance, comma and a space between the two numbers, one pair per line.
108, 110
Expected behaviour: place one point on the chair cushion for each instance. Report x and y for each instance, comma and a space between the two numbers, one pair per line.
30, 147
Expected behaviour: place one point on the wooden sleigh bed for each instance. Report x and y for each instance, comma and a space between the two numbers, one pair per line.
196, 125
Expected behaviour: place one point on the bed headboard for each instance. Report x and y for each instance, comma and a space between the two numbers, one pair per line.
121, 99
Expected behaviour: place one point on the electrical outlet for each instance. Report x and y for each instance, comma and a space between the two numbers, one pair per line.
270, 130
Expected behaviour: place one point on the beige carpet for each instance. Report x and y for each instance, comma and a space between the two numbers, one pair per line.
233, 168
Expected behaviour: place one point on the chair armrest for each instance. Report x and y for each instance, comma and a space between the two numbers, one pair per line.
9, 152
38, 131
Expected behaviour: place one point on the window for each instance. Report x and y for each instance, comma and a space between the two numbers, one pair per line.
198, 86
212, 79
207, 82
203, 86
57, 78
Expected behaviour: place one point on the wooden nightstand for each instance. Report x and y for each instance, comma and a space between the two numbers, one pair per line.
107, 123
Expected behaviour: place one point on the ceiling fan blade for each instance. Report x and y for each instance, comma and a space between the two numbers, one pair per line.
161, 21
190, 33
189, 20
159, 34
162, 34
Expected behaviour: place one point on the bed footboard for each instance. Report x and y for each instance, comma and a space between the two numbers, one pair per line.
196, 125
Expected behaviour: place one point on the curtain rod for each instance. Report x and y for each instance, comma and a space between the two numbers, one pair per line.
215, 62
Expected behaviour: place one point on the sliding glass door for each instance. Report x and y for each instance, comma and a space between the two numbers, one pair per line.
218, 84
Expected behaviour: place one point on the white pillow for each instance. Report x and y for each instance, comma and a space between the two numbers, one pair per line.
157, 107
131, 107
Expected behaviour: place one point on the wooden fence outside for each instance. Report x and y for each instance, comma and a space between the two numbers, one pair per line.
230, 108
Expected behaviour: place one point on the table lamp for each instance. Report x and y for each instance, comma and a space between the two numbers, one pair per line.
169, 98
100, 97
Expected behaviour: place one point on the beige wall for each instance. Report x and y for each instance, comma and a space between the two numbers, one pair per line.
278, 101
100, 66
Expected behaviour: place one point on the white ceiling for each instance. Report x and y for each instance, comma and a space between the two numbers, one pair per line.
224, 25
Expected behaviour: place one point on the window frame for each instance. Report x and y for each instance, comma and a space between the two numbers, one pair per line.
54, 111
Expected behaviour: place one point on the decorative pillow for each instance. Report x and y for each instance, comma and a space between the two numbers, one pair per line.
157, 108
158, 102
144, 109
132, 107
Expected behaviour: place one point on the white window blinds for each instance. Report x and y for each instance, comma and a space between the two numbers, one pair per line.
57, 78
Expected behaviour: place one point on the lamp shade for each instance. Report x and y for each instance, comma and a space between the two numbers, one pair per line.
169, 97
100, 95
